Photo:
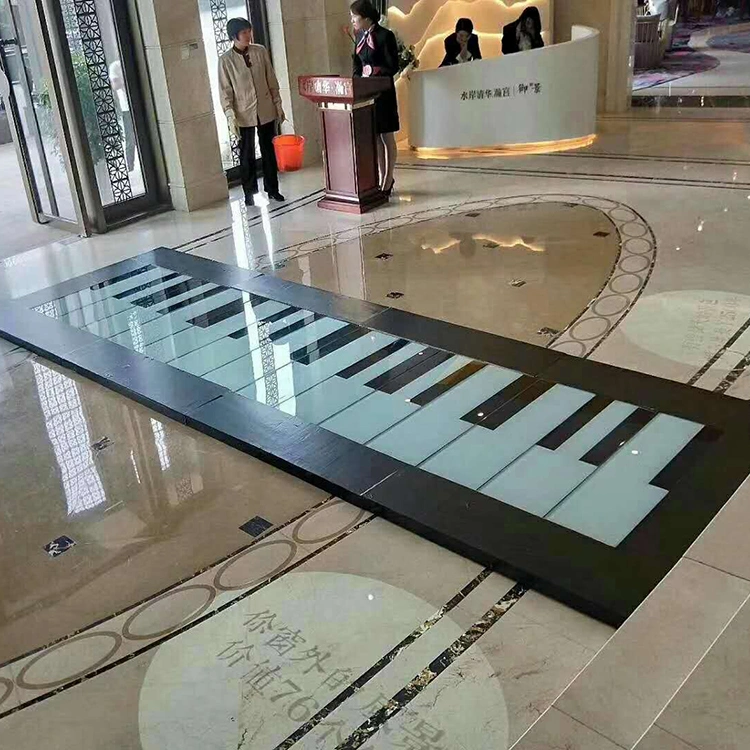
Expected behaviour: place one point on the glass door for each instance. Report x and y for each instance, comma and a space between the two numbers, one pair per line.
98, 52
214, 17
32, 108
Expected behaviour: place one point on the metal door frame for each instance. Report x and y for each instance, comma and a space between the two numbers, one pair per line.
80, 225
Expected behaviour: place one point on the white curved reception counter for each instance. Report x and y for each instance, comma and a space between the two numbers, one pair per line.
543, 97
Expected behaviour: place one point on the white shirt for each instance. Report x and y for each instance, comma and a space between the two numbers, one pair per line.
118, 85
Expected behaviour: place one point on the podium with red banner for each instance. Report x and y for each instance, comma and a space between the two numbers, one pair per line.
347, 111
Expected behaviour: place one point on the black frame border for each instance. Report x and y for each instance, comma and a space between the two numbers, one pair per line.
605, 582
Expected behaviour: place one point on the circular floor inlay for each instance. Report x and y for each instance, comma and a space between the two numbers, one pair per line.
168, 612
611, 304
327, 523
257, 564
6, 690
589, 329
69, 660
625, 283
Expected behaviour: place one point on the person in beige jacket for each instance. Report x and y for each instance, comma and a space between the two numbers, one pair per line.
251, 101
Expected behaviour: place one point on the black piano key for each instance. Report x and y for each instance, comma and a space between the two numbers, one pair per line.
235, 307
575, 422
519, 403
431, 393
627, 429
372, 359
123, 277
147, 285
481, 412
170, 292
407, 372
686, 459
192, 300
270, 320
329, 344
296, 326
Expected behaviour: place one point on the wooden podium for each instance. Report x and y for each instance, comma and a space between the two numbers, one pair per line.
347, 113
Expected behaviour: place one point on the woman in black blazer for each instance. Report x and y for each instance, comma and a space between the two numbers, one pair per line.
463, 45
377, 55
525, 33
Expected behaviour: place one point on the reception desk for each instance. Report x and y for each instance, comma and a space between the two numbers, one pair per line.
544, 98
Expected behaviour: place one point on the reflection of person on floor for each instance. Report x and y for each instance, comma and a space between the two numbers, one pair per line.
251, 101
377, 55
523, 34
117, 81
463, 45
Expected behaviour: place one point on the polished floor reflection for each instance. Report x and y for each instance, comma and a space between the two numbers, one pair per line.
534, 267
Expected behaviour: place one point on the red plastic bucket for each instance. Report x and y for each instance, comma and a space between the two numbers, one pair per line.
290, 151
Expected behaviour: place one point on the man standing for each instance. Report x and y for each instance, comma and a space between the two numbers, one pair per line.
251, 100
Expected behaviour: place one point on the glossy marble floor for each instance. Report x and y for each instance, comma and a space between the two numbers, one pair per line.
318, 625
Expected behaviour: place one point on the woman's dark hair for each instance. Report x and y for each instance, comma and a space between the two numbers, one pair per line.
465, 24
534, 14
236, 25
365, 9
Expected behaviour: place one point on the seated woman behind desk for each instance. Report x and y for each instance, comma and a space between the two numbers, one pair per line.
523, 34
463, 45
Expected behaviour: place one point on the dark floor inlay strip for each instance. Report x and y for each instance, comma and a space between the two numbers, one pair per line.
454, 379
123, 277
235, 307
372, 359
270, 320
329, 344
429, 674
575, 422
407, 372
193, 300
625, 431
382, 663
170, 292
296, 326
147, 285
686, 459
477, 415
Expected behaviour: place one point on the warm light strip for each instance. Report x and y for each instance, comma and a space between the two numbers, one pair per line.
398, 12
541, 147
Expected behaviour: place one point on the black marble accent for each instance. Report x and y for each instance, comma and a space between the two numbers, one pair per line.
687, 459
192, 300
500, 399
394, 295
203, 268
451, 381
122, 277
329, 344
400, 376
59, 546
625, 431
575, 422
219, 314
602, 234
373, 359
383, 662
256, 526
170, 292
430, 673
147, 285
280, 333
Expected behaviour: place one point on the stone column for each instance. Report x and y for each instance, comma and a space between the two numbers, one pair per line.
179, 78
306, 39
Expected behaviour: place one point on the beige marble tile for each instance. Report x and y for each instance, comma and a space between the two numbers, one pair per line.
159, 504
723, 544
621, 692
658, 739
198, 146
557, 731
202, 194
186, 79
711, 711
